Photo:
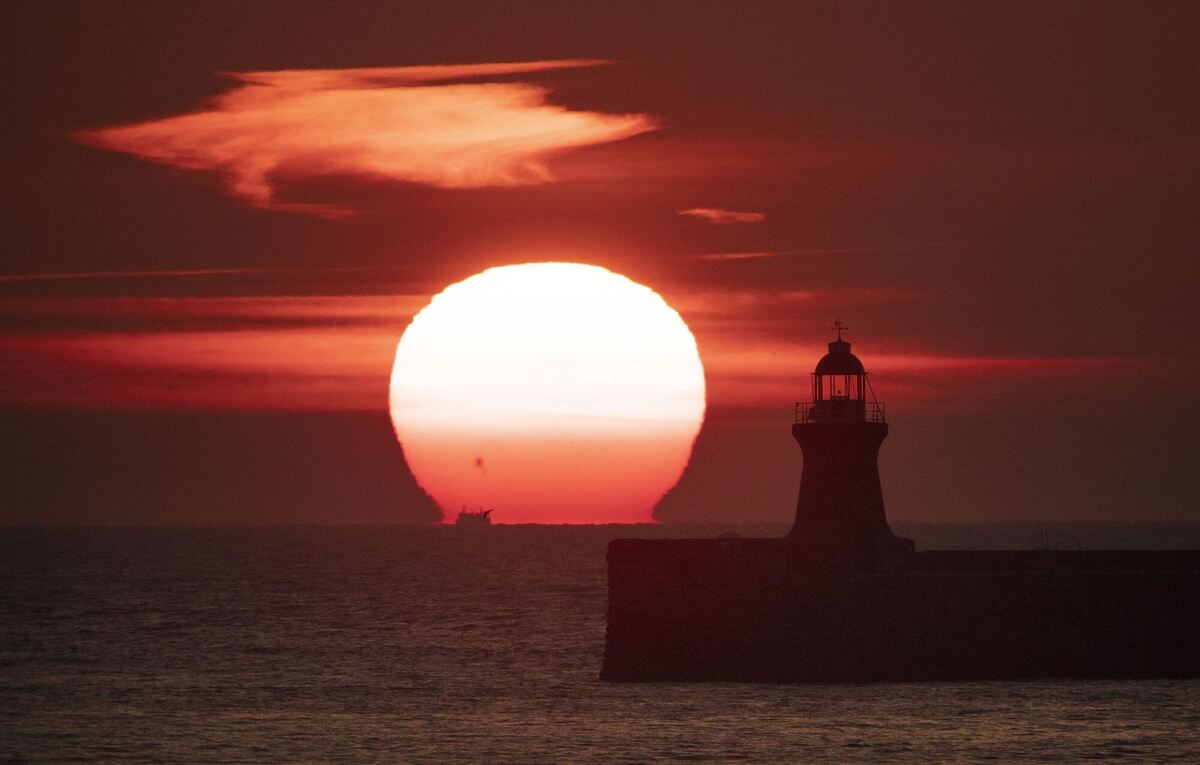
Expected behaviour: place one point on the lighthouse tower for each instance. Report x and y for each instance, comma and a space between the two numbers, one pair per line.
839, 517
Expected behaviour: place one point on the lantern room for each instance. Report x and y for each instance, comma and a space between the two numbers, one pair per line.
840, 388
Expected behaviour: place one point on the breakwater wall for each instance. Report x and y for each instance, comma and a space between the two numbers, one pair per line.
758, 610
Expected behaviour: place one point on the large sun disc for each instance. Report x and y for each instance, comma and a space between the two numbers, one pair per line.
552, 392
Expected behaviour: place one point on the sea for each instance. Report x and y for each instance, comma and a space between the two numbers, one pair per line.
315, 644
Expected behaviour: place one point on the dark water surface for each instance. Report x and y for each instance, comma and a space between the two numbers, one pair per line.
394, 644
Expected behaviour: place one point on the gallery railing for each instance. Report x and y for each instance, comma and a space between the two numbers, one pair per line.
840, 410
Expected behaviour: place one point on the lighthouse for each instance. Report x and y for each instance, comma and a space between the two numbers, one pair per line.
843, 599
840, 519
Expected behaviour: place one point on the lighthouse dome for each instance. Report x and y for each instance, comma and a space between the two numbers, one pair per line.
839, 361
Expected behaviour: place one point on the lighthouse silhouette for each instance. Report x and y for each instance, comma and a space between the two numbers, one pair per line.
840, 520
843, 599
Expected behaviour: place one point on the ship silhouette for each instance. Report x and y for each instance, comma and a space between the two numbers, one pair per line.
474, 519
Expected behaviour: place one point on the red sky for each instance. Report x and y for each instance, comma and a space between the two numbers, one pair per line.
219, 218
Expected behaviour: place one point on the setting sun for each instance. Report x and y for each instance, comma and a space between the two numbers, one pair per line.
553, 392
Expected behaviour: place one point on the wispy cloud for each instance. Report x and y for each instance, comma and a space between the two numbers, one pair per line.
57, 276
330, 352
724, 217
877, 250
737, 255
305, 352
431, 125
743, 370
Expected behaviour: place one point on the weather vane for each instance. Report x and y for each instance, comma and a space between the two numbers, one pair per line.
839, 326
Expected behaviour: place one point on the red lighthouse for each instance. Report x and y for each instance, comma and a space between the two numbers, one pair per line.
839, 516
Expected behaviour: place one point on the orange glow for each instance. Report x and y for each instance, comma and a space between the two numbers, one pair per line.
553, 392
380, 122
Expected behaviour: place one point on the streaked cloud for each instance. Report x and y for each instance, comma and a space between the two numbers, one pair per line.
432, 125
334, 352
94, 275
723, 217
754, 373
737, 255
879, 250
261, 353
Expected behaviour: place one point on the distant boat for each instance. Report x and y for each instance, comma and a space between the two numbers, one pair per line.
474, 519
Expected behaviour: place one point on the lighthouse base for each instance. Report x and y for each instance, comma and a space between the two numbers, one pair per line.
752, 610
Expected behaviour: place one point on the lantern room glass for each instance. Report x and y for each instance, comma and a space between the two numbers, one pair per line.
843, 387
